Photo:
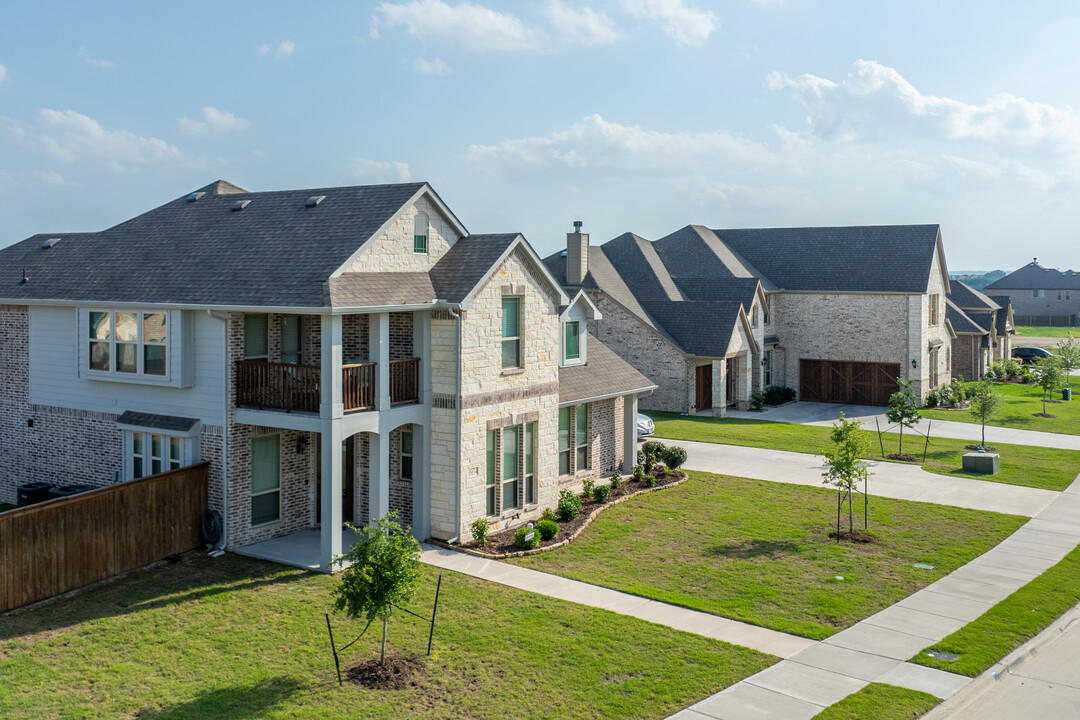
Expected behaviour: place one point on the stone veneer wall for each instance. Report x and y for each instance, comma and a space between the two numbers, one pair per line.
444, 428
393, 250
15, 411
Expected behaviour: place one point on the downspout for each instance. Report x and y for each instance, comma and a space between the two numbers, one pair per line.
224, 432
457, 402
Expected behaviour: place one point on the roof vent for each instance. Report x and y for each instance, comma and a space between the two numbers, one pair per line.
49, 243
314, 200
577, 226
240, 204
25, 277
195, 196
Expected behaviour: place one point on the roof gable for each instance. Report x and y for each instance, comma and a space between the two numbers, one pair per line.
464, 269
968, 298
1034, 276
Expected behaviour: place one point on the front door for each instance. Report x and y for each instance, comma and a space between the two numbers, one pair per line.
703, 388
732, 370
348, 472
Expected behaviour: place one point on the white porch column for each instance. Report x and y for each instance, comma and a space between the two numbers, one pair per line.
379, 475
421, 484
629, 433
379, 352
422, 350
331, 410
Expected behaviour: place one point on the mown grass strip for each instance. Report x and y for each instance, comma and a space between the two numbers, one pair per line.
1011, 622
878, 701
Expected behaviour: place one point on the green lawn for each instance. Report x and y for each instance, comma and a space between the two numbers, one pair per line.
1047, 468
1021, 402
1041, 331
878, 701
1011, 622
237, 638
759, 552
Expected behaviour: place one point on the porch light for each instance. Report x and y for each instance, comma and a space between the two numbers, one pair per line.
301, 445
913, 365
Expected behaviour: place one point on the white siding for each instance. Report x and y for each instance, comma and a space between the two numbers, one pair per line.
54, 366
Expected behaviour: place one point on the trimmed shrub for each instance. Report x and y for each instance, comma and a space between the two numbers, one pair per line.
587, 487
651, 449
547, 529
639, 472
548, 514
522, 541
480, 530
650, 481
778, 394
673, 457
602, 493
757, 400
569, 505
616, 483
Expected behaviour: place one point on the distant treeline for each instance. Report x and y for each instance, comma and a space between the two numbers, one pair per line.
978, 280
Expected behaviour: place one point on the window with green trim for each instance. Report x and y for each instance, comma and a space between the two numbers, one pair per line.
573, 340
511, 332
420, 234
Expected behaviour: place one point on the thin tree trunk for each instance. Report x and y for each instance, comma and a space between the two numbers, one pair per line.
866, 504
850, 512
838, 496
382, 651
984, 434
901, 438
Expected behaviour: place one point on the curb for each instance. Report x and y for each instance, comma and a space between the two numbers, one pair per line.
564, 541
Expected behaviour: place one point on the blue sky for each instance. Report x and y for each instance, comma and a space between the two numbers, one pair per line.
641, 115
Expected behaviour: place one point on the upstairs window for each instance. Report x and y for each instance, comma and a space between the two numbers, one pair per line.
256, 337
420, 233
935, 300
291, 353
511, 332
128, 342
1038, 293
573, 340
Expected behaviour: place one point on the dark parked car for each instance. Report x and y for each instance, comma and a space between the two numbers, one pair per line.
1030, 354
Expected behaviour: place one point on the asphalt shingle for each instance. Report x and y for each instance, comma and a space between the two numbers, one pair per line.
604, 375
467, 263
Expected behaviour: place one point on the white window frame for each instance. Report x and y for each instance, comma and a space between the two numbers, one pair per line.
514, 479
531, 494
569, 449
580, 359
188, 450
515, 338
578, 467
252, 495
140, 375
421, 217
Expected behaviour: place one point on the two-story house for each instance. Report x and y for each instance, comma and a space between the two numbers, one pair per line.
1040, 295
334, 354
983, 327
839, 314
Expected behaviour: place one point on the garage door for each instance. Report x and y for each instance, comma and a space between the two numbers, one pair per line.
854, 383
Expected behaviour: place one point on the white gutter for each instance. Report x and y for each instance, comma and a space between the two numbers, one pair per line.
283, 309
224, 430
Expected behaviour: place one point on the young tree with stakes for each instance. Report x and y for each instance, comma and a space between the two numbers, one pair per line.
844, 467
384, 573
1049, 375
986, 402
903, 409
1068, 351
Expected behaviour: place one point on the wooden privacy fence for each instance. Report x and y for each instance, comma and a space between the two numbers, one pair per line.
59, 545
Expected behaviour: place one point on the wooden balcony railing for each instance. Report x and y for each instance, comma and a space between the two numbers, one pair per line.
404, 381
358, 388
279, 386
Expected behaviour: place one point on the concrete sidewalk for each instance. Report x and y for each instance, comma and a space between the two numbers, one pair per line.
824, 414
893, 480
875, 649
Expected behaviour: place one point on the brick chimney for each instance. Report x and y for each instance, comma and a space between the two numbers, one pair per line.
577, 255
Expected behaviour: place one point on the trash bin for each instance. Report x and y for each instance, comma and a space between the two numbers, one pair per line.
1066, 393
69, 490
32, 493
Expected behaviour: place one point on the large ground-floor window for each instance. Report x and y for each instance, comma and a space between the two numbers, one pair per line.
265, 479
511, 459
573, 439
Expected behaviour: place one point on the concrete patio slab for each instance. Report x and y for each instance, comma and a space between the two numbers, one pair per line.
804, 682
868, 638
915, 622
744, 701
950, 606
928, 680
853, 663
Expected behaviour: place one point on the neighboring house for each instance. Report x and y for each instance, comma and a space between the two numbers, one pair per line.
334, 354
983, 326
1041, 296
839, 314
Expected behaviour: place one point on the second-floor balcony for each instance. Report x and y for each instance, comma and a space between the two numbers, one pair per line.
288, 387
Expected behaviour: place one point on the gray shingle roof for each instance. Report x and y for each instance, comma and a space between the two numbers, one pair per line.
702, 328
1034, 276
367, 289
696, 258
969, 298
872, 258
168, 423
1001, 322
963, 323
604, 375
467, 263
276, 251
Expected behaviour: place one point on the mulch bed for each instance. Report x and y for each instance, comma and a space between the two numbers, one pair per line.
397, 674
501, 544
983, 448
903, 458
1043, 415
856, 536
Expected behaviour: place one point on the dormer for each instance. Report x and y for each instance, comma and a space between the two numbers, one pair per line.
573, 321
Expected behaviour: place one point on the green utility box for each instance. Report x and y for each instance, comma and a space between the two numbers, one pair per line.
982, 463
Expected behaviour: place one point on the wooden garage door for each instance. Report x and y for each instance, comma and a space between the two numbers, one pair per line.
852, 383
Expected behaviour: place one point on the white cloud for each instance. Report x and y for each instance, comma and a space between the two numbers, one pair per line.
3, 73
69, 137
85, 56
49, 177
431, 67
876, 102
375, 171
683, 23
282, 49
214, 122
469, 27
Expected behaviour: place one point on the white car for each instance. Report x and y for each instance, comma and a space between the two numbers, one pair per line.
645, 426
